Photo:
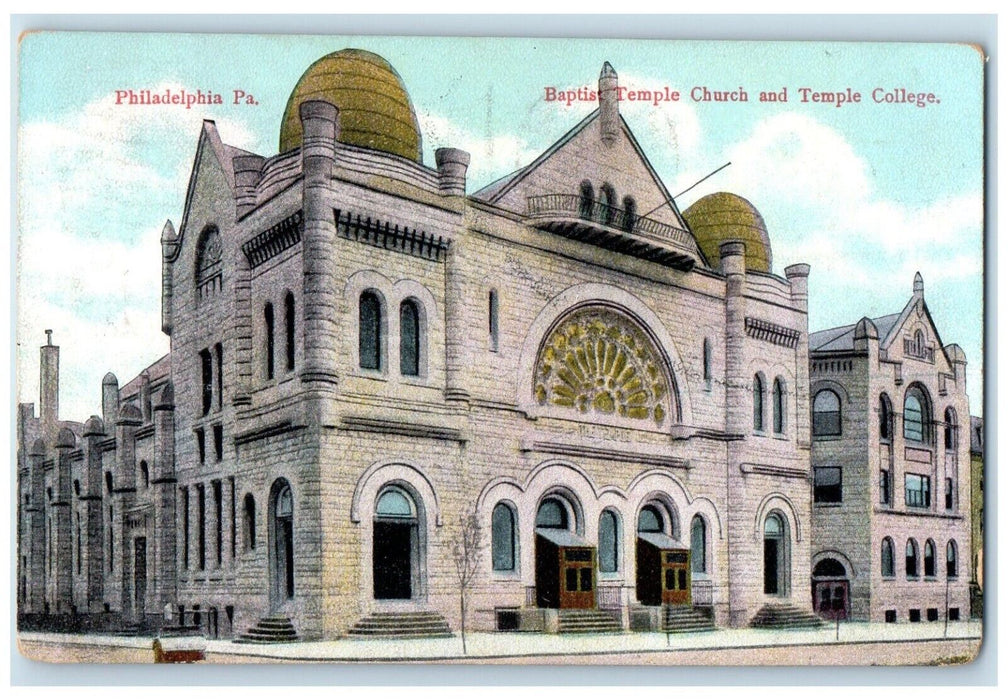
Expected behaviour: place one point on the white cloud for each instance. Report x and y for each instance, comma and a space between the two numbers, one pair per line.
94, 190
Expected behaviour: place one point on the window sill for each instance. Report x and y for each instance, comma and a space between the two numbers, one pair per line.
509, 576
828, 504
370, 374
930, 579
781, 436
886, 577
827, 438
913, 578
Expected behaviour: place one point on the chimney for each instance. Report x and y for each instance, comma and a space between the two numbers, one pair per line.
451, 165
49, 384
608, 92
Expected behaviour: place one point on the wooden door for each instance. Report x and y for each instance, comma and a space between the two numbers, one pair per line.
676, 584
577, 577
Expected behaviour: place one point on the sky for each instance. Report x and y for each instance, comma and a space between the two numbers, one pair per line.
867, 193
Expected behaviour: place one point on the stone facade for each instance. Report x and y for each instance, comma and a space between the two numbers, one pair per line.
363, 355
890, 459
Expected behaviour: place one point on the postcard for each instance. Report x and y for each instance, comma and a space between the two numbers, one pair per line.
360, 348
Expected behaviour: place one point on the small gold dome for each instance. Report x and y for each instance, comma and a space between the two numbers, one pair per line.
374, 109
724, 216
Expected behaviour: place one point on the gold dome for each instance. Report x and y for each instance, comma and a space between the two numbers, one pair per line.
724, 216
374, 109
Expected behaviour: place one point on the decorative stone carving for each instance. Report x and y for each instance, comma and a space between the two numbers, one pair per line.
599, 361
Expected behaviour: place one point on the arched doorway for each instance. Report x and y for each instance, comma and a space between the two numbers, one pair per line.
663, 563
396, 545
831, 590
281, 542
775, 555
565, 562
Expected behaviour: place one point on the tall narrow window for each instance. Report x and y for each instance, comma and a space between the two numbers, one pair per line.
826, 413
234, 519
502, 544
144, 473
757, 403
629, 213
828, 485
201, 444
409, 338
185, 528
607, 203
916, 416
493, 320
289, 326
219, 367
698, 544
917, 490
911, 558
885, 419
111, 541
707, 362
951, 560
218, 442
270, 339
948, 494
370, 323
888, 567
885, 491
78, 544
201, 524
778, 406
608, 543
250, 518
206, 367
218, 498
586, 200
951, 429
929, 558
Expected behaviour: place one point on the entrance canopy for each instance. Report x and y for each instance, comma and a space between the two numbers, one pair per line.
562, 538
661, 540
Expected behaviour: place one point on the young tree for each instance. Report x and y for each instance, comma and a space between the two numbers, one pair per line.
466, 553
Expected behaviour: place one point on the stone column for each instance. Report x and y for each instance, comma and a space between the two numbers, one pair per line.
91, 496
62, 544
123, 497
163, 483
36, 513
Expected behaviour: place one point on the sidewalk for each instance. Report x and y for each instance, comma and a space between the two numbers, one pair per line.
495, 645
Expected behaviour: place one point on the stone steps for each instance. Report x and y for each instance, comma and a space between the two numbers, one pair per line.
400, 625
574, 621
272, 629
684, 618
785, 616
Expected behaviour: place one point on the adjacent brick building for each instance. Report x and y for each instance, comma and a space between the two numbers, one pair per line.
891, 469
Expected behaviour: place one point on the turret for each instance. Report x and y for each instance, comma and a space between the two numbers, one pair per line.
452, 165
247, 173
169, 250
320, 126
110, 400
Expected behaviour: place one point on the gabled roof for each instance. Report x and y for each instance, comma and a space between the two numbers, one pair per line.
842, 337
493, 192
157, 371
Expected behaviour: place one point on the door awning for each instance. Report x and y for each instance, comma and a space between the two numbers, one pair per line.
661, 540
563, 538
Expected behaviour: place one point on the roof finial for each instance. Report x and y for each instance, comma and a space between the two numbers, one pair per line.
48, 335
608, 95
918, 284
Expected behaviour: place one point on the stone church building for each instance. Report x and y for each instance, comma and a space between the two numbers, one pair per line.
363, 354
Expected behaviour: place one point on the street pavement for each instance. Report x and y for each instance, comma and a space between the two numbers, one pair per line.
886, 641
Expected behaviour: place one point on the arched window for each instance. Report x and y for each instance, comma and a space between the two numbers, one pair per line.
951, 429
885, 418
607, 203
144, 474
919, 342
707, 362
270, 338
916, 415
698, 544
629, 213
778, 406
608, 542
289, 327
586, 201
250, 522
826, 413
409, 338
492, 312
503, 529
757, 403
370, 328
951, 560
552, 514
911, 558
208, 263
888, 558
650, 520
108, 482
929, 558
